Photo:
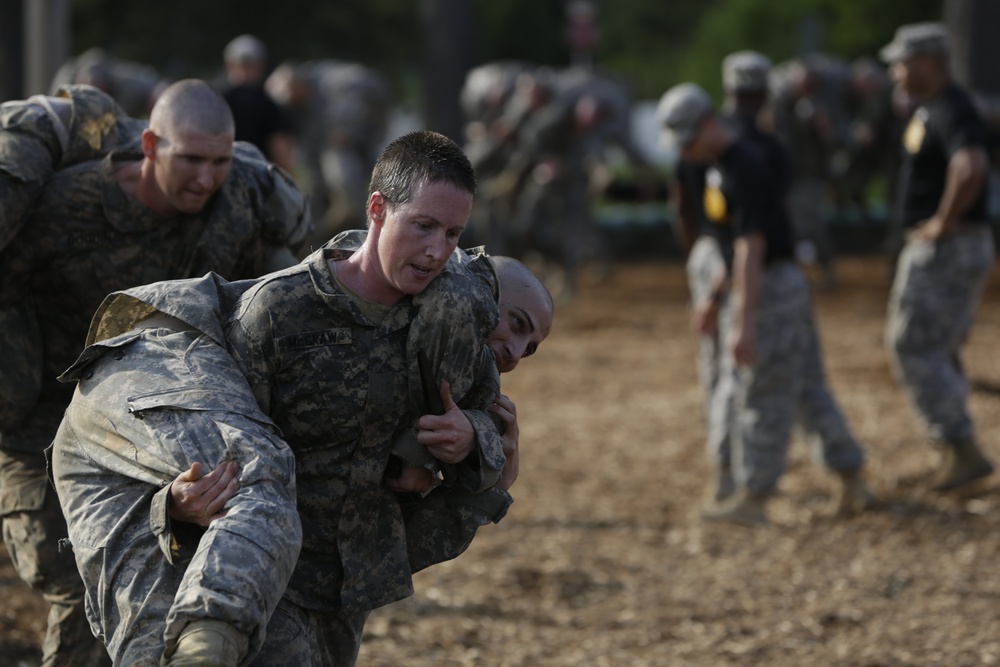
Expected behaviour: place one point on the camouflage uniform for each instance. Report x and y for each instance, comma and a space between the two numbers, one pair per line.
753, 409
151, 400
784, 384
938, 284
704, 263
39, 135
84, 240
334, 381
441, 525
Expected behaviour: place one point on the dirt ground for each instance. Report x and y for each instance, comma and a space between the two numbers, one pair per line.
603, 560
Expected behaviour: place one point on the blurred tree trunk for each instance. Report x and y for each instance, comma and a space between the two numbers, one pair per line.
975, 43
448, 26
11, 51
46, 30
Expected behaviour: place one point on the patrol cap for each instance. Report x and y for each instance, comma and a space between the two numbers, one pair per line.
745, 71
915, 38
681, 110
245, 49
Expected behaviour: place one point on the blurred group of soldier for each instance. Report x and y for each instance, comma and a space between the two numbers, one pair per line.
753, 186
541, 141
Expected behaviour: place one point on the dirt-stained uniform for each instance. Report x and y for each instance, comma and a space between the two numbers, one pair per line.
336, 382
84, 240
938, 284
142, 385
153, 397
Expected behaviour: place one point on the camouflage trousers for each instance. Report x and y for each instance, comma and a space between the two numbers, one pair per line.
150, 403
33, 527
299, 637
785, 385
704, 263
931, 310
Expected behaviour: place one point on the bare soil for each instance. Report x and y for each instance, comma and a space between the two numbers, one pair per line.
604, 561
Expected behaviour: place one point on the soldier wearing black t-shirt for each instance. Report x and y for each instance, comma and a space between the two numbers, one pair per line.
949, 251
766, 329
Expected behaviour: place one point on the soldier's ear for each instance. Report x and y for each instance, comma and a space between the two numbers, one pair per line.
149, 140
376, 208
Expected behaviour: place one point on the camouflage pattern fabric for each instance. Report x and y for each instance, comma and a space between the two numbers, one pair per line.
931, 309
769, 396
441, 526
704, 263
299, 637
150, 403
334, 382
34, 537
86, 239
35, 140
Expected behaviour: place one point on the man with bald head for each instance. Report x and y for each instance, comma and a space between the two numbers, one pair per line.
181, 208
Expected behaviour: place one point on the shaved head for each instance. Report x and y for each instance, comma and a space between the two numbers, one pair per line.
526, 313
191, 104
514, 274
188, 149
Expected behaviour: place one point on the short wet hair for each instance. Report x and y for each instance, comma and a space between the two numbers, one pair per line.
416, 158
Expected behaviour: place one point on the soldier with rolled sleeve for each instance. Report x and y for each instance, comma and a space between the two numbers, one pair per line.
182, 207
943, 267
766, 327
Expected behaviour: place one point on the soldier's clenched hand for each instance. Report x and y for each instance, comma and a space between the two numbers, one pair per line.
449, 437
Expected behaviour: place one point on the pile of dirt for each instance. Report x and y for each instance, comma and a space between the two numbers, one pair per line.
603, 560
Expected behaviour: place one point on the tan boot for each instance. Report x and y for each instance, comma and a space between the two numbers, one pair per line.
962, 462
854, 495
743, 508
207, 643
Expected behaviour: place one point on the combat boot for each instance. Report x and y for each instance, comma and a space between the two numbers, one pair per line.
722, 487
207, 643
744, 508
854, 495
962, 462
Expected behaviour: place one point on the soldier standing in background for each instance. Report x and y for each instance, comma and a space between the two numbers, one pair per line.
181, 208
767, 328
259, 120
339, 114
949, 250
808, 117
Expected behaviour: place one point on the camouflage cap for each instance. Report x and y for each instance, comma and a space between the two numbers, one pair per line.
745, 71
680, 112
916, 38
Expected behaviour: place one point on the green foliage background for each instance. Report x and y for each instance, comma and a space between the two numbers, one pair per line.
655, 43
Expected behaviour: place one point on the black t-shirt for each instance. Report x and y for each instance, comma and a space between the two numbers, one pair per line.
256, 116
770, 148
937, 131
737, 196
